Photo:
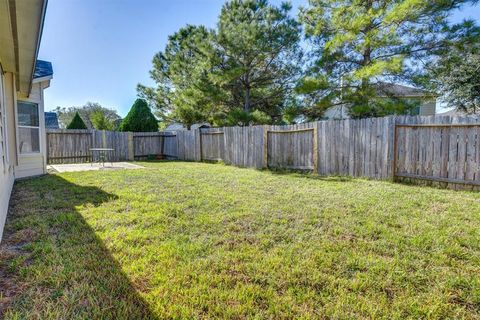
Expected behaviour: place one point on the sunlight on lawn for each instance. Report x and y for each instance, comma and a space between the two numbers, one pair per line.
193, 240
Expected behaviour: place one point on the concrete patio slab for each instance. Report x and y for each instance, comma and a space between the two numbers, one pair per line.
89, 167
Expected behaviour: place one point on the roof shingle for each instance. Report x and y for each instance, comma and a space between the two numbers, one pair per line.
42, 69
398, 90
51, 120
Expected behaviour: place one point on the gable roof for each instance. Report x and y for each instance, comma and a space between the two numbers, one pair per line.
385, 89
43, 69
51, 120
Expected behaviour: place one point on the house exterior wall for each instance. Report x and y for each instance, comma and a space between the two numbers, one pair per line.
428, 108
14, 165
33, 164
337, 112
21, 24
7, 143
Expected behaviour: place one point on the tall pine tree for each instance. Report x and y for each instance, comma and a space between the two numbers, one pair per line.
242, 72
259, 56
359, 43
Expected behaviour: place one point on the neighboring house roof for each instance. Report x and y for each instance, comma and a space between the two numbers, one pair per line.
452, 113
200, 126
175, 126
51, 120
178, 126
385, 89
43, 69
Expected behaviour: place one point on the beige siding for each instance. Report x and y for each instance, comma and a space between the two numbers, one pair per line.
6, 149
34, 164
337, 112
6, 184
29, 165
13, 165
10, 103
428, 108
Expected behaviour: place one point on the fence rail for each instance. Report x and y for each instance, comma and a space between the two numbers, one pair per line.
442, 149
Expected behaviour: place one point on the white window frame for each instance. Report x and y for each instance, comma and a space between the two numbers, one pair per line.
29, 127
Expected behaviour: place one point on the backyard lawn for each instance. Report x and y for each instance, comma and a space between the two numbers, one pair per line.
196, 240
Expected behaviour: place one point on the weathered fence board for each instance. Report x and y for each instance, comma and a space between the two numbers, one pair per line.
114, 140
376, 148
69, 146
451, 158
170, 145
212, 144
291, 148
73, 146
244, 146
147, 144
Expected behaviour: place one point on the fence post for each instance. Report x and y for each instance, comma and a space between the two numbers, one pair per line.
315, 147
131, 150
199, 134
265, 146
93, 145
104, 139
198, 141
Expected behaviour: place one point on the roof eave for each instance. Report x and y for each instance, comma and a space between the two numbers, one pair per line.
41, 79
410, 96
39, 38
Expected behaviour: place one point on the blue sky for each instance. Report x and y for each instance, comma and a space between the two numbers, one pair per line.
101, 49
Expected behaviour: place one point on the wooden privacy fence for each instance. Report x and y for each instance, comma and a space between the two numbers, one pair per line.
295, 149
438, 148
69, 146
146, 144
73, 146
447, 153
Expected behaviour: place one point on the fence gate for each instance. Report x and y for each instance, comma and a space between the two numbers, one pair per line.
212, 145
438, 152
291, 149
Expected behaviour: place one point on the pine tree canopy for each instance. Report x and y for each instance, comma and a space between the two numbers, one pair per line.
250, 61
252, 67
359, 43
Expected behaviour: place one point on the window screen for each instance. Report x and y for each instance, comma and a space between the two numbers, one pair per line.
28, 127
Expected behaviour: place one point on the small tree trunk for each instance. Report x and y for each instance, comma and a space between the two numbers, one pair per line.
246, 106
367, 60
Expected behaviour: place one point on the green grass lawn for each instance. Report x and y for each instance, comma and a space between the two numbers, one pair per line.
193, 240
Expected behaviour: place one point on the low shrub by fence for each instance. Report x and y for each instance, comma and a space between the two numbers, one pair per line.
439, 148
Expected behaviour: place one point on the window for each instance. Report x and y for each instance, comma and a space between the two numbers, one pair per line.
28, 127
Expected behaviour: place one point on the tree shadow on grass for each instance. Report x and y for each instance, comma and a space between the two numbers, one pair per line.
53, 265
